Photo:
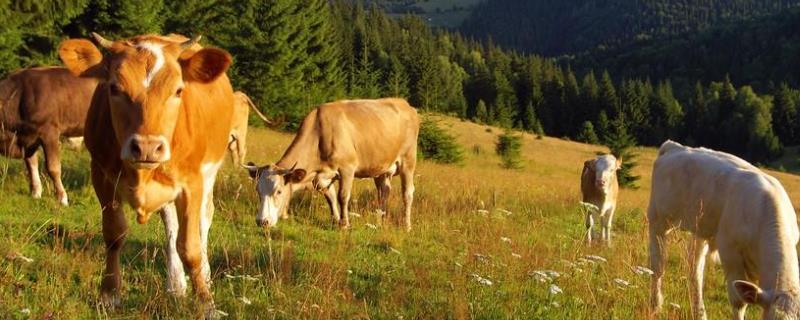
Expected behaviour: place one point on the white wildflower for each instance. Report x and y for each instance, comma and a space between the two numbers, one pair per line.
642, 270
505, 239
356, 214
516, 255
506, 212
589, 206
621, 283
482, 211
674, 305
596, 258
395, 250
244, 300
25, 311
458, 264
371, 226
540, 276
554, 289
555, 304
482, 280
219, 314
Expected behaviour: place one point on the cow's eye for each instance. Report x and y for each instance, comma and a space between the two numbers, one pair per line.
178, 92
279, 191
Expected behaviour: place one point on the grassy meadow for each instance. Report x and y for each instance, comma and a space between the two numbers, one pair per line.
479, 233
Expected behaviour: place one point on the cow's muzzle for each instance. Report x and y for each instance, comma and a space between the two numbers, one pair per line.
146, 152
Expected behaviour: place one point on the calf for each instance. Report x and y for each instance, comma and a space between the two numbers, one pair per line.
729, 204
341, 141
599, 188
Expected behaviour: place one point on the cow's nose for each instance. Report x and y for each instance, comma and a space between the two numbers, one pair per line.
148, 149
262, 222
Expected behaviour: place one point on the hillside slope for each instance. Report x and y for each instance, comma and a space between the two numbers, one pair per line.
457, 262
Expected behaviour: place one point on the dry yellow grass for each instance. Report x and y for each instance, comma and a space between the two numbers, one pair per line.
305, 268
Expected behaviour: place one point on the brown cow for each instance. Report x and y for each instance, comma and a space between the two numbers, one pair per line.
341, 141
37, 107
157, 131
238, 140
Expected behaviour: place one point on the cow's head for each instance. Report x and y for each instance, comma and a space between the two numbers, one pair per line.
603, 170
274, 186
145, 80
783, 305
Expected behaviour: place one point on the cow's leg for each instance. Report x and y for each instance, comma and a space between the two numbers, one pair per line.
658, 256
206, 218
345, 190
407, 184
189, 205
330, 197
207, 215
383, 184
52, 156
589, 222
176, 279
115, 228
32, 165
607, 218
733, 266
698, 253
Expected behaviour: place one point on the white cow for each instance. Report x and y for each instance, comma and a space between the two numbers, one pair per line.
600, 188
728, 203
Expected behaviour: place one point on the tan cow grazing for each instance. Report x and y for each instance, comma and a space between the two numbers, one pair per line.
38, 106
237, 144
729, 204
341, 141
600, 189
157, 132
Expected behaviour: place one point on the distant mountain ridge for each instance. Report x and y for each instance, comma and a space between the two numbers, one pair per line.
555, 28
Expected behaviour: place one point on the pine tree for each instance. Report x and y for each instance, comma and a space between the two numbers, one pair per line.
118, 19
396, 79
482, 113
784, 115
603, 128
509, 148
698, 117
620, 142
505, 101
587, 134
608, 100
530, 122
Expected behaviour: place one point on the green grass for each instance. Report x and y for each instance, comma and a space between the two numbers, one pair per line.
304, 268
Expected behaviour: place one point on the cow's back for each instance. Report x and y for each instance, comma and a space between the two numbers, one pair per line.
48, 98
701, 190
371, 133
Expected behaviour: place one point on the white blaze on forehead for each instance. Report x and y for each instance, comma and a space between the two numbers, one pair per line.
605, 163
156, 50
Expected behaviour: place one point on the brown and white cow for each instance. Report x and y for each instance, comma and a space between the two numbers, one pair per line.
729, 204
157, 131
38, 106
241, 112
341, 141
600, 189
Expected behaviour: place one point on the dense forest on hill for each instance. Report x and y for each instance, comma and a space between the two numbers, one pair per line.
571, 26
762, 52
290, 56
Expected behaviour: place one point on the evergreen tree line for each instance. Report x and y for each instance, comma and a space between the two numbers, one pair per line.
291, 55
574, 26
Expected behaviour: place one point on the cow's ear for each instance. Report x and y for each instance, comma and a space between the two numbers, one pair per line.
82, 58
619, 163
206, 65
588, 165
750, 293
295, 176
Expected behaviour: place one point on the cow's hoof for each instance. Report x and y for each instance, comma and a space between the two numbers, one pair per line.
36, 194
110, 301
63, 200
344, 226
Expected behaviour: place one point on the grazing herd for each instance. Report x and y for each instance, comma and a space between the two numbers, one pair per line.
157, 114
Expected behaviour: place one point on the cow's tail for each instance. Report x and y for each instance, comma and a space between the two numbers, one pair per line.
253, 106
668, 146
